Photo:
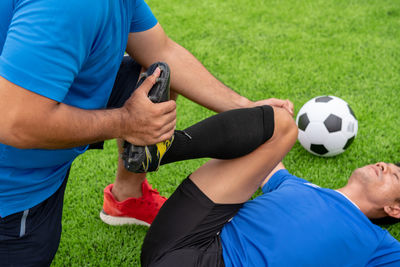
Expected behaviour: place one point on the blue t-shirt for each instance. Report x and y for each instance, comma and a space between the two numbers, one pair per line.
69, 51
296, 223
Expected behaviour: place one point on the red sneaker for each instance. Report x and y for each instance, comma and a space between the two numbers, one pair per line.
141, 211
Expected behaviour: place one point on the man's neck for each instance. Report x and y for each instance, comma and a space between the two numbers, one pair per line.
360, 201
343, 194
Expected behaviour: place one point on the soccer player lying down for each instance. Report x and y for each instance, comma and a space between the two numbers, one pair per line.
210, 221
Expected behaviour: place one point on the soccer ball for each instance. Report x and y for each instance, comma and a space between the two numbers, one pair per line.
327, 126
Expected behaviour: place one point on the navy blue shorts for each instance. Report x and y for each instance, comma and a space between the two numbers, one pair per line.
31, 237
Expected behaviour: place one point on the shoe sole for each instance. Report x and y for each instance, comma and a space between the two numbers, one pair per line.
118, 221
137, 158
160, 92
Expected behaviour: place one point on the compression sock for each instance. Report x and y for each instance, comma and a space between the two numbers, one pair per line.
227, 135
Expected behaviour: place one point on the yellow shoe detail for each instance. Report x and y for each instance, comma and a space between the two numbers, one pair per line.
162, 148
148, 159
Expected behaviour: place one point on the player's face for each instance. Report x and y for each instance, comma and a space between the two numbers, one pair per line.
381, 182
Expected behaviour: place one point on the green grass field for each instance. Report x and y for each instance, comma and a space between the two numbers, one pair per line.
276, 48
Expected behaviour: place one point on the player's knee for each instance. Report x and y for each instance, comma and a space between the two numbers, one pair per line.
285, 126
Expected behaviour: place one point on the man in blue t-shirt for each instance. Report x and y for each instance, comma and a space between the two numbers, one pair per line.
64, 84
293, 223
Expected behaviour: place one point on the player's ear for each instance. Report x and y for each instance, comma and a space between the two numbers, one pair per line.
393, 210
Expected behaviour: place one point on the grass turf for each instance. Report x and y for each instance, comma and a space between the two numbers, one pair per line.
277, 48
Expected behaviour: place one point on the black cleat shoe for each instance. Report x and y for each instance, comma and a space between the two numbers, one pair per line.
141, 159
160, 90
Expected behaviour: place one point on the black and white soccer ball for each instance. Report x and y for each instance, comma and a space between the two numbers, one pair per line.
327, 126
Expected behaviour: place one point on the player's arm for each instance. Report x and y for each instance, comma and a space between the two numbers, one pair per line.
278, 167
39, 56
188, 76
30, 120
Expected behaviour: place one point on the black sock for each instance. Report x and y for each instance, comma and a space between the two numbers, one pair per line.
227, 135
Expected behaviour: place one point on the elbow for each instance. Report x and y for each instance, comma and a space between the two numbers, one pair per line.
16, 136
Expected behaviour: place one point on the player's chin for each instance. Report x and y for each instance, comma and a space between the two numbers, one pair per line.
361, 174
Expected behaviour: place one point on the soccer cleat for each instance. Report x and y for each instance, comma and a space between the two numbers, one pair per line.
139, 211
141, 159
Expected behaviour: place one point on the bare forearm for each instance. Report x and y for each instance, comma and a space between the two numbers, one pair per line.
192, 80
188, 76
30, 120
63, 127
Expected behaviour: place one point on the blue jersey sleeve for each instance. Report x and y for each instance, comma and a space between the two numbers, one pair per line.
142, 19
47, 42
278, 178
387, 253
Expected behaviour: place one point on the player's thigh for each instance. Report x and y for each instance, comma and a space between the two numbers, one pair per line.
234, 181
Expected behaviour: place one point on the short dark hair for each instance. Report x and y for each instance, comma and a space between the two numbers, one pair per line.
385, 221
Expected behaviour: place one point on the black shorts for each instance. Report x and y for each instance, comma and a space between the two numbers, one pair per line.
186, 230
125, 82
31, 237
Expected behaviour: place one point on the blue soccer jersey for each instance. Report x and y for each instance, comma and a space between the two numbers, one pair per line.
296, 223
69, 51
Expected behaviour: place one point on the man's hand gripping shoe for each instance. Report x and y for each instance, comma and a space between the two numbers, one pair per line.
141, 159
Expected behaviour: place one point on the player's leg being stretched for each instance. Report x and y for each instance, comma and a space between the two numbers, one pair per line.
186, 229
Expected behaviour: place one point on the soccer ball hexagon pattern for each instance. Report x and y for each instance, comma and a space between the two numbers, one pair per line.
327, 126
